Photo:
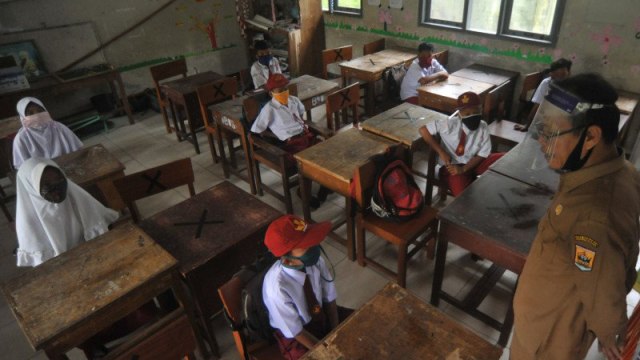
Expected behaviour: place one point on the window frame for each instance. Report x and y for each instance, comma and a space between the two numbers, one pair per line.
335, 8
503, 32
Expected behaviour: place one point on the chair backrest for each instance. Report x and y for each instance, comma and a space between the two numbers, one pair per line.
245, 82
442, 57
335, 55
166, 71
231, 296
153, 181
494, 103
364, 177
373, 47
338, 102
215, 92
529, 85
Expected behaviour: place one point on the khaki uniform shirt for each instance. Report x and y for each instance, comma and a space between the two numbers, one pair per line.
581, 265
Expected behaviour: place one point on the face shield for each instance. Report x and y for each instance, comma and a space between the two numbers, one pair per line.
552, 122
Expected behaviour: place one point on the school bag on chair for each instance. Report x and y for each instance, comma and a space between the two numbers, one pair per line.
394, 76
396, 196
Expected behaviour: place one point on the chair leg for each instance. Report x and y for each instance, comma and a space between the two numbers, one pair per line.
288, 203
258, 177
402, 265
247, 159
214, 153
223, 156
167, 125
232, 154
431, 247
361, 251
6, 212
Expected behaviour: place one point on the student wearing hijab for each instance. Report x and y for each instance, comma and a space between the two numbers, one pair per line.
54, 214
40, 135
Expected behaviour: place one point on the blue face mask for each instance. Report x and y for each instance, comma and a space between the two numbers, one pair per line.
265, 59
309, 258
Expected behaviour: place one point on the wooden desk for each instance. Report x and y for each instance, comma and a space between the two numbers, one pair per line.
627, 102
49, 86
209, 260
503, 133
496, 218
73, 296
395, 324
331, 163
492, 75
91, 165
312, 91
182, 92
370, 67
443, 95
516, 164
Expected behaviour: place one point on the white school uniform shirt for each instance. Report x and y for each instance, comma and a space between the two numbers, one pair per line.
283, 295
260, 73
478, 142
283, 121
541, 91
410, 84
46, 229
45, 140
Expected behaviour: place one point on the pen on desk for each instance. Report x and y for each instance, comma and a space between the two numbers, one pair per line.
372, 63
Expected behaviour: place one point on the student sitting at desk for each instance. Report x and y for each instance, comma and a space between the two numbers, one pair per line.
53, 214
282, 119
40, 136
559, 70
422, 71
265, 66
298, 289
464, 151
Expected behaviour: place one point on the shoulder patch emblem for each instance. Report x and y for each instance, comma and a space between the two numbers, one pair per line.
584, 258
586, 239
559, 209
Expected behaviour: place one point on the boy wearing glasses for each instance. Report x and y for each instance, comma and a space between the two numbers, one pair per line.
581, 265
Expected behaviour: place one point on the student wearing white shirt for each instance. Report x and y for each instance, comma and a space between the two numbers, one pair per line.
422, 71
265, 65
465, 148
298, 289
559, 70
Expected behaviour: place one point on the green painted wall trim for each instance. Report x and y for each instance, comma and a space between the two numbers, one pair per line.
516, 53
148, 63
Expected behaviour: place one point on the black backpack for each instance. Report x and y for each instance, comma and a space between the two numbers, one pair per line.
394, 76
254, 318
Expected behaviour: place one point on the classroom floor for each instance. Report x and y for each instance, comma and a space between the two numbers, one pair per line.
146, 144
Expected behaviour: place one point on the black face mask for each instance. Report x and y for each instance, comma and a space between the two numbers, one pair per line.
472, 122
574, 162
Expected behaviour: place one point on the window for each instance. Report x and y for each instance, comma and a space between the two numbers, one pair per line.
532, 20
349, 7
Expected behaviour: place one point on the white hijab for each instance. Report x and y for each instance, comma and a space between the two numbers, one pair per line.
45, 139
47, 229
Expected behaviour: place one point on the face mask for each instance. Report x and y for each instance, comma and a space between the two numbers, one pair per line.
574, 162
264, 59
472, 122
282, 97
425, 61
36, 120
309, 258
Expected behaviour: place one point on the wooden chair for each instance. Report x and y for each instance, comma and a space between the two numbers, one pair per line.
442, 57
333, 56
152, 181
230, 294
339, 102
264, 151
502, 131
3, 206
433, 179
402, 234
529, 85
373, 47
213, 93
163, 72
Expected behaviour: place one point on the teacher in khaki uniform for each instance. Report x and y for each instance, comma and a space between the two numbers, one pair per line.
582, 262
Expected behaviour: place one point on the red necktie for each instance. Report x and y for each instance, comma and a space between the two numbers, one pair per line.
463, 140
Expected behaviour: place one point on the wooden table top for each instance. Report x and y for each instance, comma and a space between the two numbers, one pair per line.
517, 163
455, 86
311, 86
231, 108
89, 165
627, 102
402, 122
379, 61
191, 83
9, 126
487, 74
503, 211
84, 283
342, 153
396, 324
241, 213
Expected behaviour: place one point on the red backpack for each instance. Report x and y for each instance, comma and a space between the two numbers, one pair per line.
396, 196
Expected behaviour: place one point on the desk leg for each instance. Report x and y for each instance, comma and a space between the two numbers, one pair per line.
305, 192
250, 165
223, 156
507, 325
174, 117
369, 98
205, 322
438, 274
123, 98
351, 236
192, 131
185, 301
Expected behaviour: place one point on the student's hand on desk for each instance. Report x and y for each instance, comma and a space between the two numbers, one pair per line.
424, 80
455, 169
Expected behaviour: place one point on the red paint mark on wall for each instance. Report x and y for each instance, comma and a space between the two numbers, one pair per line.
211, 32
